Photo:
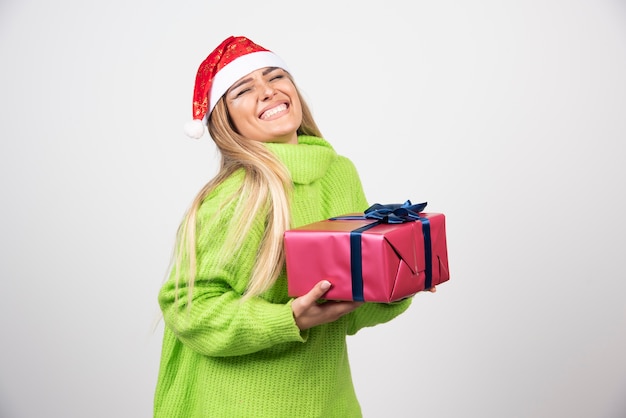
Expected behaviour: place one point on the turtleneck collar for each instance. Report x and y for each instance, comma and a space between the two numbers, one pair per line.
308, 160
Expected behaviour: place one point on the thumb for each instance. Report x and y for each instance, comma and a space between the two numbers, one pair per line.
320, 288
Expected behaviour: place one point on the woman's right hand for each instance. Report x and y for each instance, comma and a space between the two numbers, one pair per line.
309, 312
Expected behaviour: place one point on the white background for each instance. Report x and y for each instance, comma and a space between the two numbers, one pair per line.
508, 116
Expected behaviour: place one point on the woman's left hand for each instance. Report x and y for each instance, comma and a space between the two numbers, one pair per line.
309, 312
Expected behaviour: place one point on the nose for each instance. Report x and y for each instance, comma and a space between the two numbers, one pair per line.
267, 91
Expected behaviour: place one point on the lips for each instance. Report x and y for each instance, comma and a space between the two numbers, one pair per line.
273, 111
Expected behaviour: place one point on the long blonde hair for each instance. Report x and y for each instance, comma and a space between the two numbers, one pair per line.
266, 189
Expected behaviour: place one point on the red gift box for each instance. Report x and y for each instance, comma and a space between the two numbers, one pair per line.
367, 259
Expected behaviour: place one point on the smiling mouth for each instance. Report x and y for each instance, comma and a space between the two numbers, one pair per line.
273, 111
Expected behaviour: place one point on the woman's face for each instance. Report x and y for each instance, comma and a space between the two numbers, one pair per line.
264, 106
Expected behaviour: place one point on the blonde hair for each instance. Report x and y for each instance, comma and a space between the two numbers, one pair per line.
266, 189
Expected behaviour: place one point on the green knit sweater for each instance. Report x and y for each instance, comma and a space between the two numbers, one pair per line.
230, 359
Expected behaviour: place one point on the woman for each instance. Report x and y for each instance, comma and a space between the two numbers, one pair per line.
235, 344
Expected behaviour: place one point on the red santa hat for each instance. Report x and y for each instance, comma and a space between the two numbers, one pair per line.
234, 58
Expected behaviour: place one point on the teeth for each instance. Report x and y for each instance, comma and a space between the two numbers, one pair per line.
274, 111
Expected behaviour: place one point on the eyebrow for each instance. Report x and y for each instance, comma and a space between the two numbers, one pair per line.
246, 80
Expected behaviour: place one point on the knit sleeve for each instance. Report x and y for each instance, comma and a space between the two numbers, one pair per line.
218, 322
370, 314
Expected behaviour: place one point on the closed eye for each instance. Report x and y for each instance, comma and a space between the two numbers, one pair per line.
242, 92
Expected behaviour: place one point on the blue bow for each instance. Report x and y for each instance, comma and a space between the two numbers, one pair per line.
395, 213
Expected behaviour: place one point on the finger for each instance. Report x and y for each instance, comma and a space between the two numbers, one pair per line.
318, 291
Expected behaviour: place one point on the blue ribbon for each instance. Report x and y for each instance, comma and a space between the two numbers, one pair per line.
390, 214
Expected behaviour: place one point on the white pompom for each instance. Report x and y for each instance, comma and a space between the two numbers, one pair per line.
194, 129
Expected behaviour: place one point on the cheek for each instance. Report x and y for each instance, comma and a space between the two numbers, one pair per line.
298, 110
237, 115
